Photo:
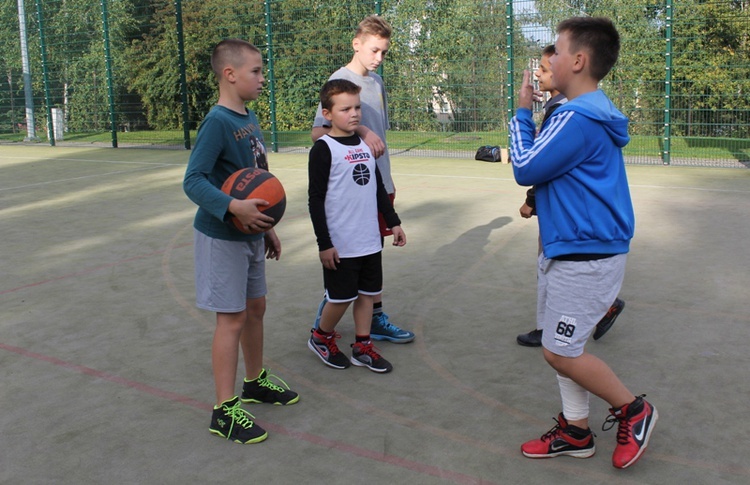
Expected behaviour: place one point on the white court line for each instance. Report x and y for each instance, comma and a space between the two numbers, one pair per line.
91, 161
57, 181
401, 174
506, 179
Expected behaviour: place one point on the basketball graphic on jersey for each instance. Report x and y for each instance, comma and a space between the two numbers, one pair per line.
361, 174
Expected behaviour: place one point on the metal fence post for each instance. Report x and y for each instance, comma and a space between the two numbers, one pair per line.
45, 71
271, 79
666, 154
27, 89
108, 65
509, 61
183, 75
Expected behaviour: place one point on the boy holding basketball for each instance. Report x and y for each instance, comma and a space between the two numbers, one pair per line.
371, 42
346, 193
528, 209
230, 264
586, 222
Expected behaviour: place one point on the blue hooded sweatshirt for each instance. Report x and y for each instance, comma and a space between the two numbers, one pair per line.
576, 164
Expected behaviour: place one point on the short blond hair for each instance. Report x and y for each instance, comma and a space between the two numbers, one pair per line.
374, 25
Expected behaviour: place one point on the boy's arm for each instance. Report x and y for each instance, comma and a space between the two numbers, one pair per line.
319, 169
539, 158
385, 206
372, 140
553, 152
319, 131
203, 158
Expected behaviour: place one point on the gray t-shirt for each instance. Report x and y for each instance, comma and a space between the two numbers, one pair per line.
374, 114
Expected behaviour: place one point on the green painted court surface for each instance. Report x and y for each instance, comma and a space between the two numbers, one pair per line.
106, 371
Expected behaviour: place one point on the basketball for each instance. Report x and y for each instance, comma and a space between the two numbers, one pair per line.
256, 183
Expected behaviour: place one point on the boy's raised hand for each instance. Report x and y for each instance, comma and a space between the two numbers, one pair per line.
527, 95
248, 213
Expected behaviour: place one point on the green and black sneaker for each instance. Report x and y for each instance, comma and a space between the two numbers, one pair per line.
232, 422
261, 390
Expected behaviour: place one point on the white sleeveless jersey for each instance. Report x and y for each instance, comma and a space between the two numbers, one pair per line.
351, 200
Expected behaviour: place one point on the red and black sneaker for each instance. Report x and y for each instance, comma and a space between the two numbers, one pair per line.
364, 354
635, 422
325, 347
563, 439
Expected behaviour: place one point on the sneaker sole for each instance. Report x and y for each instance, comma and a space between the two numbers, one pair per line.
277, 403
599, 333
312, 347
654, 418
374, 369
248, 442
395, 340
575, 454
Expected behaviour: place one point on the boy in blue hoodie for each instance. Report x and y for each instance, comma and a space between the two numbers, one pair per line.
586, 222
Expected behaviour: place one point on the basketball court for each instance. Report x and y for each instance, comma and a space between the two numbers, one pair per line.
106, 361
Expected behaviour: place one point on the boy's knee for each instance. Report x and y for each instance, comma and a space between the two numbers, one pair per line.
557, 362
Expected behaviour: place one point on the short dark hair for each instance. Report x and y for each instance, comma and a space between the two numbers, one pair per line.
598, 36
334, 87
549, 50
229, 52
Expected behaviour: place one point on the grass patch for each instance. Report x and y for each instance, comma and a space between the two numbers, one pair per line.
649, 146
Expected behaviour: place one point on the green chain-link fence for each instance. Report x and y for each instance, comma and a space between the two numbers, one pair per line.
136, 72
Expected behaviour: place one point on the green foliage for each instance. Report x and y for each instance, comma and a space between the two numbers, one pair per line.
445, 72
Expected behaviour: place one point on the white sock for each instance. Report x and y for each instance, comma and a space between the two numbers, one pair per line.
575, 399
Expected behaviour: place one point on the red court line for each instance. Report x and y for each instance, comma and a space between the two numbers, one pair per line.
87, 271
310, 438
108, 377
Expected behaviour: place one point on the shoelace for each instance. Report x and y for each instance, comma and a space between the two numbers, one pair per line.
330, 342
556, 429
623, 430
240, 417
385, 323
369, 349
265, 382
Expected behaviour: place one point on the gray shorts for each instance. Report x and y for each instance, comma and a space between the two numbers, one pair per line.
572, 297
228, 273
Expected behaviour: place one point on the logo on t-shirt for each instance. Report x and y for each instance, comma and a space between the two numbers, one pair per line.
259, 152
361, 174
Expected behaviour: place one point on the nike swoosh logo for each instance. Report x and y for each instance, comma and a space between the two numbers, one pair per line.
557, 445
640, 433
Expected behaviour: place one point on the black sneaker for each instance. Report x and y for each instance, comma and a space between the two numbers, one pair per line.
261, 390
609, 319
325, 347
531, 339
365, 355
232, 422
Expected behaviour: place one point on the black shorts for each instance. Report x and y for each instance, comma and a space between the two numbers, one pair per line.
354, 276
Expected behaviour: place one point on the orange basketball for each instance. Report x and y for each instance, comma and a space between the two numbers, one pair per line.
256, 183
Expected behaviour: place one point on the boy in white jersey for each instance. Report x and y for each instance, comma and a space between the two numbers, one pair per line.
372, 40
346, 193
